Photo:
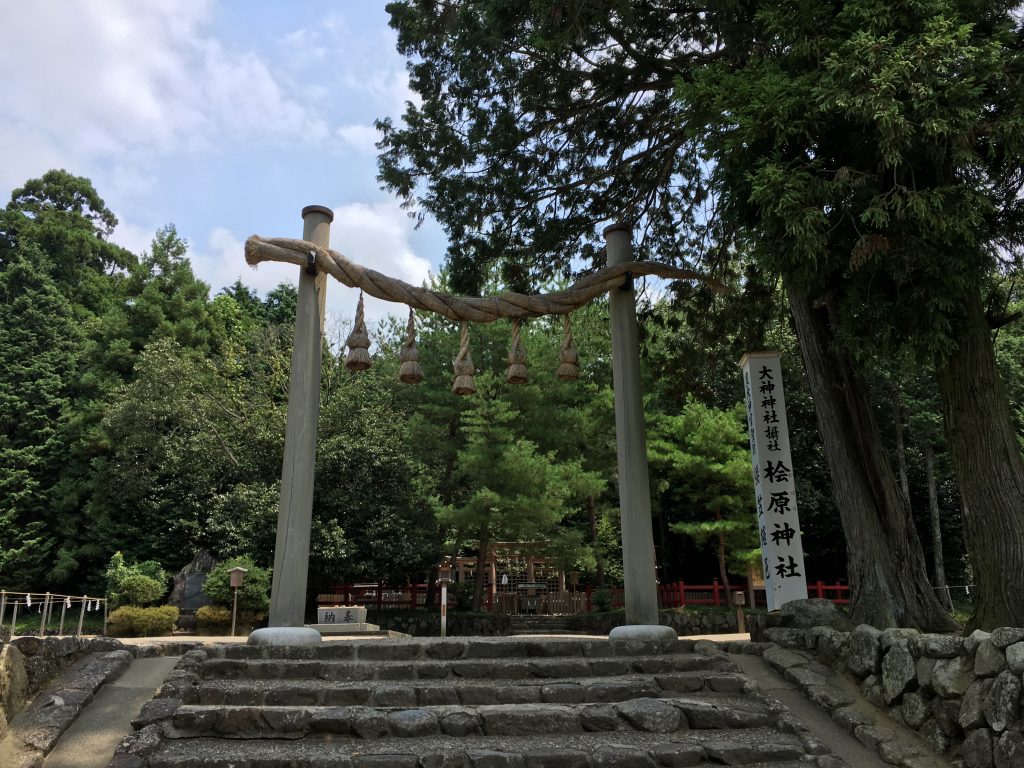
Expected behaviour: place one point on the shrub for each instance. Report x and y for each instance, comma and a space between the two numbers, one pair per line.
138, 592
460, 595
254, 594
132, 621
139, 589
602, 600
216, 620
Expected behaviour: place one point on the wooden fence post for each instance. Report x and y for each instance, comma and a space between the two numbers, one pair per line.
81, 614
42, 614
715, 592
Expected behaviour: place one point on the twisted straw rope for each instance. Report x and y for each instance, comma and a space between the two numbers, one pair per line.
467, 308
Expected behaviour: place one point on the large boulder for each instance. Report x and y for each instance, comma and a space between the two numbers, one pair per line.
13, 683
951, 677
899, 673
1002, 704
813, 612
864, 652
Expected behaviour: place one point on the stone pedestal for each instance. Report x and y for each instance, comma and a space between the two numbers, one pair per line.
344, 629
285, 636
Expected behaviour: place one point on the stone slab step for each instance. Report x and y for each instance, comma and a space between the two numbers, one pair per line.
753, 747
714, 711
450, 648
455, 691
489, 669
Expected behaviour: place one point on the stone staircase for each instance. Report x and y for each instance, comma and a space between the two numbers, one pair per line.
464, 703
540, 625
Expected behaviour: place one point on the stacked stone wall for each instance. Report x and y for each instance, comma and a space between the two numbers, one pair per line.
962, 695
428, 623
28, 663
685, 621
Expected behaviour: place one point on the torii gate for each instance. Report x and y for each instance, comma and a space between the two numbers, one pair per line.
291, 552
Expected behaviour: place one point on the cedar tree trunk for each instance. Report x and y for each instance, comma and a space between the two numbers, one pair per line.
938, 563
722, 570
885, 562
989, 469
901, 448
478, 576
598, 555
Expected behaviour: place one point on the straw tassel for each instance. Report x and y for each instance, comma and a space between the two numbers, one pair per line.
463, 365
516, 357
569, 369
358, 342
410, 372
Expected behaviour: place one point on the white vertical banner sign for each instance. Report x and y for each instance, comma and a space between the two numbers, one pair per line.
782, 553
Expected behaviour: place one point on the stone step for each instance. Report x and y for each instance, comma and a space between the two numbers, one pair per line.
621, 749
436, 692
652, 715
465, 669
450, 649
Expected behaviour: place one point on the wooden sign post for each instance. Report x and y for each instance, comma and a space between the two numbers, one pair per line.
782, 553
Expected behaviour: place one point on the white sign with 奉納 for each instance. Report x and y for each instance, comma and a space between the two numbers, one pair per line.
782, 553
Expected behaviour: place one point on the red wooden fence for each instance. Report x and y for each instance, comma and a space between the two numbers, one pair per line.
676, 594
679, 594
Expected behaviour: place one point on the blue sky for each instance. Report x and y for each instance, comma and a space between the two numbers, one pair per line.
224, 118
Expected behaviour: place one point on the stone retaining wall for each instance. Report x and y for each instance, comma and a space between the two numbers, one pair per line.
961, 694
428, 623
685, 622
28, 663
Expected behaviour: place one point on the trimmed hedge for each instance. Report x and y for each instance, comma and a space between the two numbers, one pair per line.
132, 621
216, 620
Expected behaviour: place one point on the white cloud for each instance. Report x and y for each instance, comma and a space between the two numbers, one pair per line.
88, 81
361, 138
135, 238
373, 235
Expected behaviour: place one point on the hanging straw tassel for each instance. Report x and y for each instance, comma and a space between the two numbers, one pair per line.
463, 365
410, 372
516, 358
358, 342
569, 369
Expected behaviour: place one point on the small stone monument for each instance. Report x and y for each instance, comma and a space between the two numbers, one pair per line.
187, 593
342, 620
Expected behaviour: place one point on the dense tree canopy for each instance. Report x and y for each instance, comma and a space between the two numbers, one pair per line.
868, 154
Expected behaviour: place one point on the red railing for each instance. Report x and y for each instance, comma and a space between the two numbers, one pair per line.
375, 596
677, 594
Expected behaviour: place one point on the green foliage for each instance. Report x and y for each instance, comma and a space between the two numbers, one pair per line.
139, 589
135, 584
132, 621
460, 596
216, 619
254, 594
601, 599
706, 489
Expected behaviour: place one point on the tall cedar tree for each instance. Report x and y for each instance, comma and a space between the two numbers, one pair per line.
868, 153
